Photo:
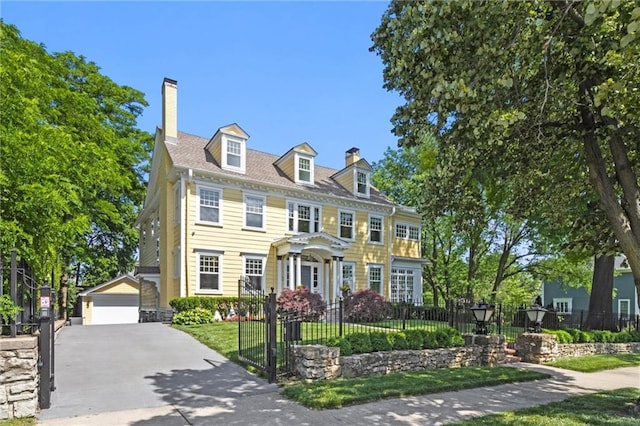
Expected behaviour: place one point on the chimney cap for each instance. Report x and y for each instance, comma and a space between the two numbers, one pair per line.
169, 80
353, 150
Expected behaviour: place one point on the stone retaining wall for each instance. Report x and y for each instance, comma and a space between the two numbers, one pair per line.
317, 362
540, 348
18, 377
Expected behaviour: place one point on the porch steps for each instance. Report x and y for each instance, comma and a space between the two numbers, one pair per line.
510, 355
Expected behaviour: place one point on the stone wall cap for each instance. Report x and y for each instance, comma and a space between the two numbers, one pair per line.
20, 342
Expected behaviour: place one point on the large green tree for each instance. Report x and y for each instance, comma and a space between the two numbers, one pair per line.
533, 93
71, 176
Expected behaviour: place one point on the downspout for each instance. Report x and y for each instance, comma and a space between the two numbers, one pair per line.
390, 245
184, 229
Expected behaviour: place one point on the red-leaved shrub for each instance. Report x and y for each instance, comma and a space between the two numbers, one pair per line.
306, 306
365, 306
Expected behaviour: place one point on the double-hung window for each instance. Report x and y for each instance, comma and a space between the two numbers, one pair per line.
209, 205
347, 276
407, 232
375, 229
346, 225
303, 169
362, 183
254, 211
303, 217
234, 153
375, 278
254, 271
209, 271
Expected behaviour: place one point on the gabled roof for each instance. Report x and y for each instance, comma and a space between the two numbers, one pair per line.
305, 238
304, 148
190, 153
230, 129
116, 280
360, 164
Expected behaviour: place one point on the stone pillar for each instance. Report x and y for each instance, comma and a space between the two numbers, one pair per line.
492, 347
537, 348
18, 377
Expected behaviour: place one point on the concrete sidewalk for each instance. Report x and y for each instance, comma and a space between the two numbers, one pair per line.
268, 407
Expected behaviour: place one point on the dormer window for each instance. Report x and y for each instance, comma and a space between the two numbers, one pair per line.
304, 169
233, 154
362, 183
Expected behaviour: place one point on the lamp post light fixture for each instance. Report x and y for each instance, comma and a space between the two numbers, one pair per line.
535, 314
482, 312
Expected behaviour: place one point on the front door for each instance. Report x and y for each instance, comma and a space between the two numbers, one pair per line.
311, 277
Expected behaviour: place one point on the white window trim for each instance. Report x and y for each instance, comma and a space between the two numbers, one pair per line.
381, 267
406, 272
220, 275
244, 211
628, 301
295, 220
367, 192
408, 232
220, 202
567, 300
243, 154
296, 171
353, 224
263, 258
177, 203
352, 283
381, 242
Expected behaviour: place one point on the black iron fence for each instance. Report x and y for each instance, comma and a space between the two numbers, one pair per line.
17, 282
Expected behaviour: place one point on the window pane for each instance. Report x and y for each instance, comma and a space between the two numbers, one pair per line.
375, 229
209, 214
209, 272
346, 225
362, 183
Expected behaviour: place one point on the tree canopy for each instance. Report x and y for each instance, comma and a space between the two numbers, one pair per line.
540, 99
71, 162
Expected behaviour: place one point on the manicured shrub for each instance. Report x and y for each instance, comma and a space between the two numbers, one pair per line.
342, 343
429, 340
414, 339
561, 335
300, 302
623, 337
193, 317
603, 336
365, 306
223, 304
380, 341
360, 343
448, 337
398, 341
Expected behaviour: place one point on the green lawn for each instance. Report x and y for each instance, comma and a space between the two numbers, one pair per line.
605, 408
341, 392
592, 363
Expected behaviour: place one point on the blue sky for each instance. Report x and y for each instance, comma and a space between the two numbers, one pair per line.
286, 72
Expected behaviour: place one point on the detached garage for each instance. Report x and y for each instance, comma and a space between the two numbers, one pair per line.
114, 302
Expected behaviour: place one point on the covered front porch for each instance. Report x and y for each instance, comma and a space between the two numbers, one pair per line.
313, 260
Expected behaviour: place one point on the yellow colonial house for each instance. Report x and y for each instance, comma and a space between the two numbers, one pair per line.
217, 211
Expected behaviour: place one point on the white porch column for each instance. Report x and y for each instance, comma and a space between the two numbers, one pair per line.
327, 280
292, 286
340, 276
279, 274
336, 288
299, 270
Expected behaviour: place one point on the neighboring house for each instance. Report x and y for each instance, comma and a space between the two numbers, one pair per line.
217, 211
113, 302
567, 300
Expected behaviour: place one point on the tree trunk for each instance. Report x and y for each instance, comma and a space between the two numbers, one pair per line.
600, 316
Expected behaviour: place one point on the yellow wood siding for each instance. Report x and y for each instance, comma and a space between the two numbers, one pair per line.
346, 180
123, 287
288, 167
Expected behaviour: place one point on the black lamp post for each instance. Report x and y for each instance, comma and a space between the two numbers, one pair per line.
482, 313
535, 314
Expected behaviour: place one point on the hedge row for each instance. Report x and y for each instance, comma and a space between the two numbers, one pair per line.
573, 335
221, 304
377, 341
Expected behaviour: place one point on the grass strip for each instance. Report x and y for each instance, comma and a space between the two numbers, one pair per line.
592, 363
610, 408
341, 392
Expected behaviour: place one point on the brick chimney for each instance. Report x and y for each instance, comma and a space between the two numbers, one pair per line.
170, 110
352, 156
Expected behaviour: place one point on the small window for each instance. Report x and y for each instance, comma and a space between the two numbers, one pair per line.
562, 305
624, 308
254, 272
209, 205
407, 232
304, 170
346, 225
375, 229
362, 183
158, 251
347, 276
401, 231
208, 273
254, 211
234, 154
414, 233
375, 278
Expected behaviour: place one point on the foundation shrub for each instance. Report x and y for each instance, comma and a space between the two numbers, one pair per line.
414, 339
360, 343
398, 341
380, 341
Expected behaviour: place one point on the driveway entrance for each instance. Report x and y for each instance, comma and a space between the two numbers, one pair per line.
108, 368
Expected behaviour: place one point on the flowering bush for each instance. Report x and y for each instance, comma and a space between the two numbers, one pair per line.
365, 306
306, 306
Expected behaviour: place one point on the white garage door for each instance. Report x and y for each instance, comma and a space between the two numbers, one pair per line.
115, 309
